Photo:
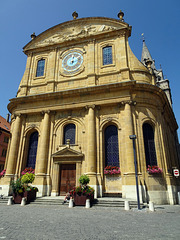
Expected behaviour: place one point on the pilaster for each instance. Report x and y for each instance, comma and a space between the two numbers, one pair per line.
13, 154
55, 180
91, 154
129, 184
42, 156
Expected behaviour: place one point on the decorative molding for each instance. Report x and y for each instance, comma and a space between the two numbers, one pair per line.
74, 32
87, 107
45, 111
130, 102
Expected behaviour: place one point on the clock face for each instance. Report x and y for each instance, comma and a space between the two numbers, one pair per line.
72, 61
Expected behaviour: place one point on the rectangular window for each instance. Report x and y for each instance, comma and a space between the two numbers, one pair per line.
40, 68
3, 153
6, 139
107, 55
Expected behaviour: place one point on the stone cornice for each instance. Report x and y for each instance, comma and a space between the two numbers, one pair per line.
46, 100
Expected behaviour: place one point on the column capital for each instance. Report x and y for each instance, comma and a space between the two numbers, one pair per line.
46, 111
17, 115
129, 102
87, 107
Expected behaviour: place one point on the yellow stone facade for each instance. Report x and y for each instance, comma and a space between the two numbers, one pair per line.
123, 94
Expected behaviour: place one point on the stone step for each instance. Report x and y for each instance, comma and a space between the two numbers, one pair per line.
101, 202
114, 202
4, 200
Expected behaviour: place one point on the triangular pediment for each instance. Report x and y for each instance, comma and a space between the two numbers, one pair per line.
75, 29
67, 152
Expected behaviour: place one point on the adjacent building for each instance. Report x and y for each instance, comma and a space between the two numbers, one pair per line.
83, 93
4, 139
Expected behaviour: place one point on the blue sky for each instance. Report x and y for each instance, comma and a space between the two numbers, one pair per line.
159, 20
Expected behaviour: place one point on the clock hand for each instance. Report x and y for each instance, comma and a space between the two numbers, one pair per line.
72, 60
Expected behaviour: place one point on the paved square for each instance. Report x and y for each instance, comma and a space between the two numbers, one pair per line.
61, 222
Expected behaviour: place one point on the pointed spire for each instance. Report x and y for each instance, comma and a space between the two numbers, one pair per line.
145, 54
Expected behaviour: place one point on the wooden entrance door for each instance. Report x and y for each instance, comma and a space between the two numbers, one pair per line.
67, 178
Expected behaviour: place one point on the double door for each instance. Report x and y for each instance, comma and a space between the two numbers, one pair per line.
67, 178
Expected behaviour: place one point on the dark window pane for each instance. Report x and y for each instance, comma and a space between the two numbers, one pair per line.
149, 145
69, 133
40, 68
107, 55
111, 146
33, 142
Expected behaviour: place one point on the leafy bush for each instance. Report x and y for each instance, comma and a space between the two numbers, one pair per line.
28, 178
31, 188
82, 190
17, 186
84, 180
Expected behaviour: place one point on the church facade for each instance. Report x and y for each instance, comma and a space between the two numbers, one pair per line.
83, 93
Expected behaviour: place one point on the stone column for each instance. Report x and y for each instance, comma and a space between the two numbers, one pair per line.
13, 153
91, 153
41, 164
42, 156
91, 141
129, 183
129, 130
55, 180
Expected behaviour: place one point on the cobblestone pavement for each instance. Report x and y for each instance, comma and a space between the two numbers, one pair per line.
60, 222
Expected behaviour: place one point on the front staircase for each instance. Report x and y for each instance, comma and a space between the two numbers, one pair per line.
113, 202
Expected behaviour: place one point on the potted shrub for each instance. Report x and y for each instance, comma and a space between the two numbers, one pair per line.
82, 192
22, 187
30, 193
26, 180
17, 189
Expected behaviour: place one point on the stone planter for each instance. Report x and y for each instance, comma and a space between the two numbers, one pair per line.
29, 195
80, 200
17, 197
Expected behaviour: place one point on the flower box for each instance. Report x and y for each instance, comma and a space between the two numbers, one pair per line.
154, 170
111, 170
2, 173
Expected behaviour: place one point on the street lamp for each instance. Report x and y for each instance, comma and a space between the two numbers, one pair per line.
133, 137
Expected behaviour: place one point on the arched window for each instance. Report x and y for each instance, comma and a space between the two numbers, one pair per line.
69, 133
107, 55
40, 68
111, 146
33, 142
149, 145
